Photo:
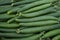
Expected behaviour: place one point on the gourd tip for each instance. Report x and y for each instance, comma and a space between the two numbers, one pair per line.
18, 31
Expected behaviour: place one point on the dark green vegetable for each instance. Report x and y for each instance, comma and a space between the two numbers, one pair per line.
28, 6
38, 29
59, 19
17, 0
33, 37
37, 8
58, 3
13, 35
13, 10
51, 33
6, 25
39, 23
8, 30
4, 2
6, 16
12, 19
5, 8
56, 14
41, 12
37, 19
56, 37
24, 2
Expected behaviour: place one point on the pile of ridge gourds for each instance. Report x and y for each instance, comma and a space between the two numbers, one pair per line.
29, 19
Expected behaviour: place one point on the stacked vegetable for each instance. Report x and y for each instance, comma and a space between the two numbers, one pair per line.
29, 20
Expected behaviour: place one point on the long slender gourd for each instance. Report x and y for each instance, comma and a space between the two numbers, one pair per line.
6, 25
56, 14
59, 19
6, 16
13, 10
28, 6
14, 35
23, 2
38, 29
41, 12
51, 33
39, 23
56, 37
8, 30
4, 2
58, 4
12, 19
33, 37
37, 8
39, 18
17, 0
5, 8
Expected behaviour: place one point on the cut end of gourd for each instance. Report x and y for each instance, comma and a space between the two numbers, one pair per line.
12, 0
18, 31
11, 20
7, 21
8, 12
17, 14
43, 32
16, 19
55, 6
20, 14
42, 37
48, 38
12, 4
